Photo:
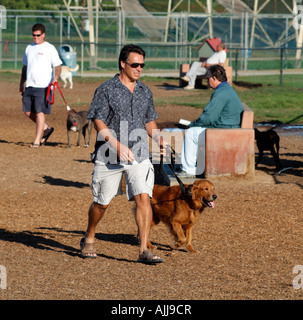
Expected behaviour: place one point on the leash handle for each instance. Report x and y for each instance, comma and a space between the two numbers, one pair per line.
51, 88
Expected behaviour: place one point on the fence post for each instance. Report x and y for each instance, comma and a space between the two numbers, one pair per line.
246, 40
61, 28
177, 51
236, 66
16, 42
82, 58
281, 65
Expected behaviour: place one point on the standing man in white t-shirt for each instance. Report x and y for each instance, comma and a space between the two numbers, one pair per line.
39, 61
199, 69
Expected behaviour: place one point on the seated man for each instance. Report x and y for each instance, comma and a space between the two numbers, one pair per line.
199, 69
223, 111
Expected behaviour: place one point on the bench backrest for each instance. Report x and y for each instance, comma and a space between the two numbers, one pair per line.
247, 121
226, 63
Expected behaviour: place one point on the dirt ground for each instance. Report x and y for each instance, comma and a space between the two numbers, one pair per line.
248, 244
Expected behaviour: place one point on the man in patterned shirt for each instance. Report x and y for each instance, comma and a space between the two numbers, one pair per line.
124, 116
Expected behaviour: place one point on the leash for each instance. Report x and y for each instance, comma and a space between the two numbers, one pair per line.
186, 192
51, 91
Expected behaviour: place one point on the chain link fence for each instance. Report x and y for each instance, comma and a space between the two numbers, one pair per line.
263, 42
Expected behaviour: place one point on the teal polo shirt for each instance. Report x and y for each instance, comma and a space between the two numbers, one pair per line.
224, 109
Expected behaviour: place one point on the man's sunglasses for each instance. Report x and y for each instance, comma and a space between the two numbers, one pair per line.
37, 35
136, 65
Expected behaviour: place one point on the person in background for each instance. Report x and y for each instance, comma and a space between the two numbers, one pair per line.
222, 111
39, 60
199, 69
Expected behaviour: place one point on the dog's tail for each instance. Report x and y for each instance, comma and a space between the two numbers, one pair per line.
76, 68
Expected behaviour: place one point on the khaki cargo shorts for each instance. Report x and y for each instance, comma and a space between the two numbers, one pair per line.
107, 180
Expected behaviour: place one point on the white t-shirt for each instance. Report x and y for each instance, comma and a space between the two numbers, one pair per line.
217, 58
40, 60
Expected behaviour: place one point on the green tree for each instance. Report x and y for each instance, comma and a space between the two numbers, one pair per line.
31, 4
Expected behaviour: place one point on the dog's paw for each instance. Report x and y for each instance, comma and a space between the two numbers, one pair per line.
179, 243
191, 249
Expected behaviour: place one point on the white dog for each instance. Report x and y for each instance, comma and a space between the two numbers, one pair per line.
66, 74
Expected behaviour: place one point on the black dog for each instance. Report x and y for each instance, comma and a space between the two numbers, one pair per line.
267, 140
77, 122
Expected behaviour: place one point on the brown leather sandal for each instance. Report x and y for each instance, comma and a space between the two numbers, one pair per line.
35, 145
148, 257
87, 249
47, 133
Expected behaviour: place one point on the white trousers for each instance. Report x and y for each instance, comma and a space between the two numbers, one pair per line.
195, 70
193, 150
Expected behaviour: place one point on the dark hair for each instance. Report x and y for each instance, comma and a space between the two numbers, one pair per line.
126, 50
218, 72
38, 27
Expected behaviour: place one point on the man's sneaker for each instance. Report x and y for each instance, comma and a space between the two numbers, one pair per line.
184, 174
189, 87
185, 78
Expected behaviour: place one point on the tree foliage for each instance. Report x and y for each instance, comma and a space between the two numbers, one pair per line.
31, 4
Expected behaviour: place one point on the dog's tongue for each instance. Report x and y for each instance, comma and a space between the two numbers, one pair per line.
212, 203
75, 124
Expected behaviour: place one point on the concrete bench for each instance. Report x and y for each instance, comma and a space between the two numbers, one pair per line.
184, 68
228, 152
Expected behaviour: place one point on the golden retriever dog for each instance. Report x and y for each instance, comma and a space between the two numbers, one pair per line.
181, 211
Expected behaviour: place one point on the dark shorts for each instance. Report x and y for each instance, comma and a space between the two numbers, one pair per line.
34, 100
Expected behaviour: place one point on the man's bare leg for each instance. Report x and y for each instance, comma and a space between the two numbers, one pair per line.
39, 119
95, 214
144, 217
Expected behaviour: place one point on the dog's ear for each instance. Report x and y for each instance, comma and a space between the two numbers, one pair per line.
71, 111
195, 188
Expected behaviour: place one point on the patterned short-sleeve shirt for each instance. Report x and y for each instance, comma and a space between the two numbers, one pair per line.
125, 113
